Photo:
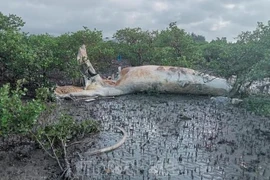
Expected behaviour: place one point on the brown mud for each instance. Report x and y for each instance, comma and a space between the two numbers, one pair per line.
169, 137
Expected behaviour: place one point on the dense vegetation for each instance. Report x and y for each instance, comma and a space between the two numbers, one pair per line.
40, 121
30, 61
35, 57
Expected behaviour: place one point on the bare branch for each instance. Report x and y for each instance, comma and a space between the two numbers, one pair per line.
54, 153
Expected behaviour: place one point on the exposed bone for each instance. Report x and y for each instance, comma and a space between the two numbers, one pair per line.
90, 100
113, 147
83, 60
162, 79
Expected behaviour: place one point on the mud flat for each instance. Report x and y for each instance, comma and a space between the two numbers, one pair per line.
173, 137
169, 137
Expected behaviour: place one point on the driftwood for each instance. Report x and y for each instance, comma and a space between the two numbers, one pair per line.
162, 79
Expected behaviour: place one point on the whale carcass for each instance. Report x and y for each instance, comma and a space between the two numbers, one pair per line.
153, 78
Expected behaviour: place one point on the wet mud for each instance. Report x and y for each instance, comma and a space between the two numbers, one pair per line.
21, 159
169, 137
172, 137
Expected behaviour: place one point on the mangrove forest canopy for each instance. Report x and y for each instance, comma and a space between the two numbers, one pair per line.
36, 58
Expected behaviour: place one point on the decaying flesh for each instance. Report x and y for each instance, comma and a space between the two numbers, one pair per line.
162, 79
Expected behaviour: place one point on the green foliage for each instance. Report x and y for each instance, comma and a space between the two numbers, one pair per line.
100, 52
172, 46
53, 138
11, 22
17, 116
248, 59
258, 56
45, 94
40, 59
216, 55
258, 104
64, 129
180, 48
135, 44
13, 52
35, 57
25, 56
198, 38
101, 55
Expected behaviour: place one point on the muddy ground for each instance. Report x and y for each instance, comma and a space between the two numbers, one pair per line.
169, 137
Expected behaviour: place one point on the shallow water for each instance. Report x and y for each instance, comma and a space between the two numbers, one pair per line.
174, 137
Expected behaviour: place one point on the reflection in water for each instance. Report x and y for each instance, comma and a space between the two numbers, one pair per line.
175, 137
